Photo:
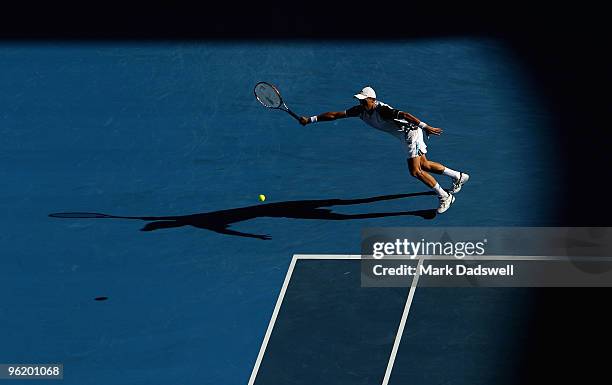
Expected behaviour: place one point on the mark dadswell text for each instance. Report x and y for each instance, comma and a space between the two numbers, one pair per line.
447, 270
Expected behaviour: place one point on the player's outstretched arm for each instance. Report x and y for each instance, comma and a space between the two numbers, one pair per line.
324, 117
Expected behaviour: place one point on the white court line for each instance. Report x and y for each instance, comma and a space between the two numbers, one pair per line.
279, 302
400, 329
452, 258
327, 256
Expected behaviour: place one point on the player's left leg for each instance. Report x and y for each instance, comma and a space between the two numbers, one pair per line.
459, 178
414, 165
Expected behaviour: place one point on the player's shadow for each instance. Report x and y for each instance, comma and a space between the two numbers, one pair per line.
220, 221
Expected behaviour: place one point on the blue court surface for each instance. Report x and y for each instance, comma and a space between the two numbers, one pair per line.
167, 149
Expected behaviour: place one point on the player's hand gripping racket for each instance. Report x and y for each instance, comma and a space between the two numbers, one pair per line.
270, 97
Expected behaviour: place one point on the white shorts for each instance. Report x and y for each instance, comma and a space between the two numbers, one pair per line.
415, 144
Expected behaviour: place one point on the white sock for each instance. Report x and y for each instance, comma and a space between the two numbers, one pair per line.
452, 173
440, 191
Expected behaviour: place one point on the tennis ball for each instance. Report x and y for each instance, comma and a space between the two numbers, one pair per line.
262, 197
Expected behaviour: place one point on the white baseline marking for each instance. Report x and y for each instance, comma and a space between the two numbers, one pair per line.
452, 258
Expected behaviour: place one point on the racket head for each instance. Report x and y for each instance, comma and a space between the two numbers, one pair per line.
268, 95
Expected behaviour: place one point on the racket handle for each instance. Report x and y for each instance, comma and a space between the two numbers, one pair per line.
293, 114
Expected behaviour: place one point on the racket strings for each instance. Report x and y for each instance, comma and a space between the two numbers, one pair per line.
267, 95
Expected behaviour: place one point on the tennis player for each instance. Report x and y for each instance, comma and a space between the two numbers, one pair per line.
410, 131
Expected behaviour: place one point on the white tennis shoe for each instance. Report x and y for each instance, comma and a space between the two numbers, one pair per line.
457, 184
445, 203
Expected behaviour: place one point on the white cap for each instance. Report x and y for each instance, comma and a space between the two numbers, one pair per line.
366, 92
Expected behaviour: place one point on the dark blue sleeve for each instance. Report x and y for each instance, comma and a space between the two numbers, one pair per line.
354, 111
388, 113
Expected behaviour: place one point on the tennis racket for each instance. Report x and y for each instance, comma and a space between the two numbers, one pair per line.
270, 97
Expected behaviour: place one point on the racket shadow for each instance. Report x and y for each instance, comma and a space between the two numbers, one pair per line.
221, 220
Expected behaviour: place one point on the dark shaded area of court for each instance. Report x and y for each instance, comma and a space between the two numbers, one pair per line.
466, 336
330, 330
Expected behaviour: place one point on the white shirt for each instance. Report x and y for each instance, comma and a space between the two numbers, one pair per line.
381, 118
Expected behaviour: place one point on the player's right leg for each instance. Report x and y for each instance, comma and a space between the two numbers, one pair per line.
446, 199
459, 182
459, 178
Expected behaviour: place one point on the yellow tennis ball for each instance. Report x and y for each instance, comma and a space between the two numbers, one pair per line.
262, 197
